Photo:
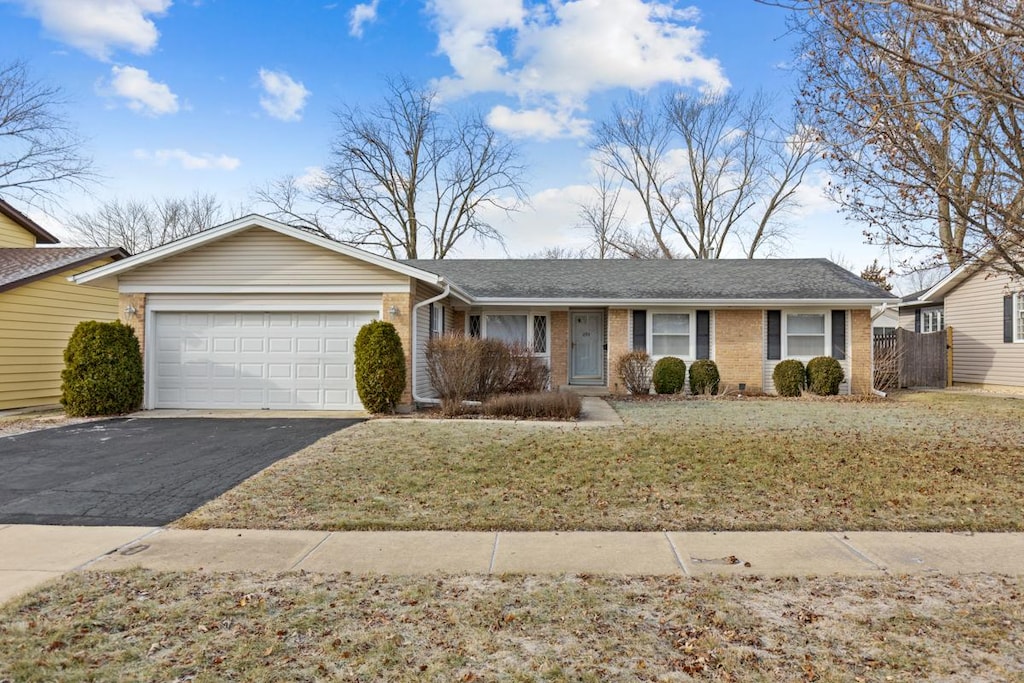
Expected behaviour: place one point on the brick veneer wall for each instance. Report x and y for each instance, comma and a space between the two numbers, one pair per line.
458, 322
403, 325
860, 351
138, 321
619, 343
559, 321
739, 348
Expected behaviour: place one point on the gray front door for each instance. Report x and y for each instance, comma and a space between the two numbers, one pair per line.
586, 362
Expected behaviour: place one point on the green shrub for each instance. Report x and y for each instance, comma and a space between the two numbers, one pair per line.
789, 378
102, 370
550, 405
380, 367
824, 375
704, 377
635, 370
669, 376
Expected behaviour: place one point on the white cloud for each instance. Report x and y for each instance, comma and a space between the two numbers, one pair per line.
362, 14
283, 96
311, 177
537, 123
555, 55
97, 27
189, 161
144, 95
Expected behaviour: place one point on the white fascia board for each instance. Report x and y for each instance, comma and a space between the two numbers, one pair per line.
245, 223
259, 289
942, 287
690, 303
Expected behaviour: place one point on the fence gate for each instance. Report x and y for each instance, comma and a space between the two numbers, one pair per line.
911, 359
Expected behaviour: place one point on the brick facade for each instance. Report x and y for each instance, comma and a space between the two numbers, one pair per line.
458, 322
559, 321
402, 322
138, 321
860, 352
739, 349
618, 344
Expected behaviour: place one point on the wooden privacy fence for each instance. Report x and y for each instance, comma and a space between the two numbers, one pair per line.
913, 359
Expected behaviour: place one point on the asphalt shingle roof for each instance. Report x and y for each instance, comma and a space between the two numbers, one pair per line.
18, 266
725, 279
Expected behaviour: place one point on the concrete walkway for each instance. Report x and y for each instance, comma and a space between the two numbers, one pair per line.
31, 555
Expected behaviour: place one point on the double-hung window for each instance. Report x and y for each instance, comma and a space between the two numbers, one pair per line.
806, 335
931, 320
671, 334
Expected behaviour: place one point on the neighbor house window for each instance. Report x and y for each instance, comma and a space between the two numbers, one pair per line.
670, 335
805, 335
526, 330
474, 326
931, 320
1018, 317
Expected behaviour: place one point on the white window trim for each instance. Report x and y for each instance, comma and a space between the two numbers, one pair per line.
691, 354
1018, 310
530, 315
826, 316
929, 315
437, 324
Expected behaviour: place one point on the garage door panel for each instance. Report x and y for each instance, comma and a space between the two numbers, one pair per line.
278, 361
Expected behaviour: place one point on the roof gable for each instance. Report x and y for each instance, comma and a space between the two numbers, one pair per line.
19, 267
240, 225
26, 224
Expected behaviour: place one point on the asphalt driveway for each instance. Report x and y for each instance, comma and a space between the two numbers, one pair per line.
139, 471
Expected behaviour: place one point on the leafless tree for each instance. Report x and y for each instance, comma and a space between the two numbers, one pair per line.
602, 217
921, 105
412, 180
289, 202
708, 170
137, 225
40, 151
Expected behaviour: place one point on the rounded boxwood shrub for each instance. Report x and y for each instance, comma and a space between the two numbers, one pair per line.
380, 366
789, 377
704, 377
824, 375
102, 370
669, 376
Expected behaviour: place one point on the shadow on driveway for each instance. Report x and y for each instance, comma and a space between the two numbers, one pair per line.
140, 472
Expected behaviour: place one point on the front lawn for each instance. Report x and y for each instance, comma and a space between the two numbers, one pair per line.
921, 462
142, 625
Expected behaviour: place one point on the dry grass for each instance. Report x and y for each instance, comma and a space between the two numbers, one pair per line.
20, 423
200, 627
923, 462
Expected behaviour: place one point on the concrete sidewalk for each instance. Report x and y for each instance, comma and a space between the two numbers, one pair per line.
30, 555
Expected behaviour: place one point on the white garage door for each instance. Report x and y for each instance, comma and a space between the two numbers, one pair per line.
278, 361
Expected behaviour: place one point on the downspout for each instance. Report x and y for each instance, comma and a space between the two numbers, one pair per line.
415, 348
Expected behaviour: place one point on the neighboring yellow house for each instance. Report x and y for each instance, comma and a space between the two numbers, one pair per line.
39, 307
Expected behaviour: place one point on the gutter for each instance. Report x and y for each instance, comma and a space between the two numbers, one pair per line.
415, 348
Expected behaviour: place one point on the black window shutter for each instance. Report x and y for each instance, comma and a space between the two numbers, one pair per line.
639, 330
703, 335
430, 317
1008, 319
444, 323
839, 335
917, 320
774, 335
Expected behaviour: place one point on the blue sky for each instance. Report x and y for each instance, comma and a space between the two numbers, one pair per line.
224, 95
